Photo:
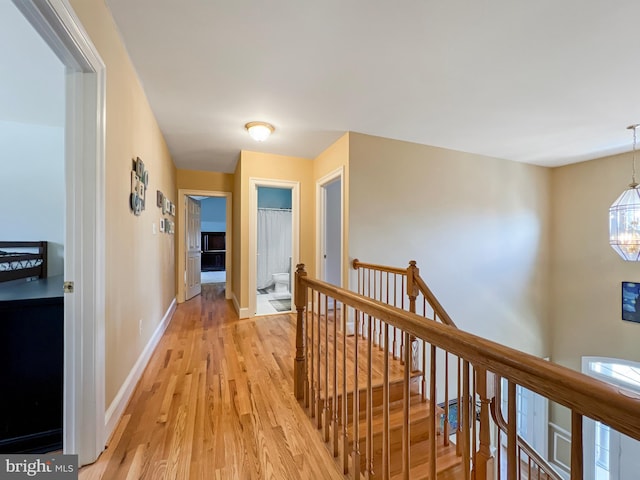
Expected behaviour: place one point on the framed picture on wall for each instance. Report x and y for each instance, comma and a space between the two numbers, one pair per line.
631, 301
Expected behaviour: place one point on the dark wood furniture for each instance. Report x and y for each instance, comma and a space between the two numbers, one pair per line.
22, 260
31, 350
213, 251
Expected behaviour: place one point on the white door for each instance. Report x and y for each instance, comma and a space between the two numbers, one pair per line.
329, 222
194, 252
332, 271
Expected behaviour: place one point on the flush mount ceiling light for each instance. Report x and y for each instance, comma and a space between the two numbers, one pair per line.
624, 216
259, 131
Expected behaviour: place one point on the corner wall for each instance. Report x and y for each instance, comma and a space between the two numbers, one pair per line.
587, 273
204, 181
477, 226
273, 167
333, 158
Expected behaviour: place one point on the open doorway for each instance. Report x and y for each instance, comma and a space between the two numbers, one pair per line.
32, 146
330, 227
205, 237
83, 418
274, 240
212, 234
274, 234
213, 228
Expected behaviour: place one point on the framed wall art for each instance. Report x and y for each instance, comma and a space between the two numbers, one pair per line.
631, 301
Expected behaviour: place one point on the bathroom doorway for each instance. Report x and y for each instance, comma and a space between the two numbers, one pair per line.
274, 250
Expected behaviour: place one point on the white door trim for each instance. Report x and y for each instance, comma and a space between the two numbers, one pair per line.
254, 183
182, 243
84, 342
320, 224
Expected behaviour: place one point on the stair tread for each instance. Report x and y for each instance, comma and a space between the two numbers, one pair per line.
446, 458
420, 414
419, 411
396, 367
376, 384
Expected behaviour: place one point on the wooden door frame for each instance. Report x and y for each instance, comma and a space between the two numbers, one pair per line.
182, 231
294, 186
84, 416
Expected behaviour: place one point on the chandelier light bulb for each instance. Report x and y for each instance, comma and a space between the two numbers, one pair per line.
624, 215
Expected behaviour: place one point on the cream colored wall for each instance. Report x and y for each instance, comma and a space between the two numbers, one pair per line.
334, 157
587, 274
140, 268
200, 180
273, 167
477, 226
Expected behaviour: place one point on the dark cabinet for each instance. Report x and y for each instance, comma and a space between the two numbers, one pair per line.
31, 355
213, 251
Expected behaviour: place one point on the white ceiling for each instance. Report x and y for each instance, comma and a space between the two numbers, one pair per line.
546, 82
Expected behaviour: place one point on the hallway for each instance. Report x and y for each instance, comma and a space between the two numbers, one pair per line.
216, 402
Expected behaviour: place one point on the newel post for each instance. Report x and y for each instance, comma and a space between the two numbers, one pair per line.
413, 292
412, 286
484, 462
299, 365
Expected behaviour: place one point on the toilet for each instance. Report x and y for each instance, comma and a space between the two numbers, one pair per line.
281, 282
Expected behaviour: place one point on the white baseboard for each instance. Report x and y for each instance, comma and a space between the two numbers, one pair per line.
119, 403
242, 312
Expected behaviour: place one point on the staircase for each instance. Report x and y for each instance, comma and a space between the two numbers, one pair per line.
372, 368
420, 416
360, 445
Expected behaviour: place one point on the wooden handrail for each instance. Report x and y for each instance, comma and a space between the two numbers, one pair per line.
531, 452
439, 310
584, 395
433, 301
356, 264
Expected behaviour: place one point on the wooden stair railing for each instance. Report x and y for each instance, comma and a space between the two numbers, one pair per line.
347, 381
374, 281
401, 288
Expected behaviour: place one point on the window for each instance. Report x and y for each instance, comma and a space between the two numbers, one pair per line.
531, 416
608, 454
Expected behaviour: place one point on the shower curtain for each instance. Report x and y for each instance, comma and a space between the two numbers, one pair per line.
274, 244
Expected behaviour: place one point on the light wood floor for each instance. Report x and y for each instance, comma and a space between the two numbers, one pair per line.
216, 402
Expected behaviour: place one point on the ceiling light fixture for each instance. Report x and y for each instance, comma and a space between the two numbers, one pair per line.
624, 215
259, 131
